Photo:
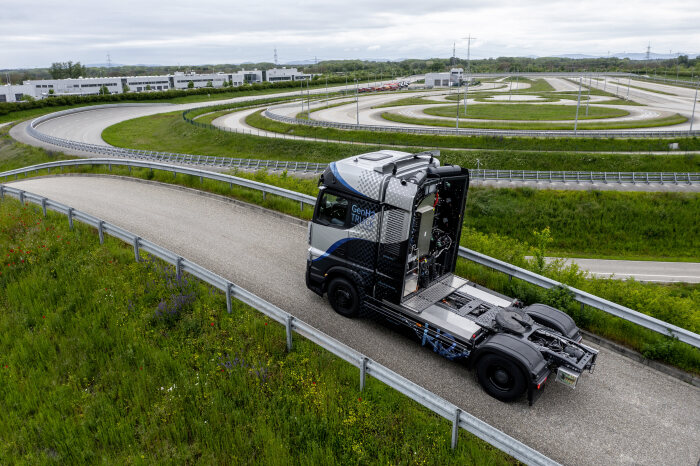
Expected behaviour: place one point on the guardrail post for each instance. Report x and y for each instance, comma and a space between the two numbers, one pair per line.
109, 166
228, 297
264, 195
178, 268
100, 231
129, 169
70, 218
136, 249
455, 428
43, 205
2, 193
301, 205
363, 372
289, 332
21, 197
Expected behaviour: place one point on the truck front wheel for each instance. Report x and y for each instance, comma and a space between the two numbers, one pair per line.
344, 297
500, 377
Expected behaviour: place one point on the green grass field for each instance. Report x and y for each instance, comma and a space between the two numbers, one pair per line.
593, 223
167, 132
407, 101
522, 111
512, 144
104, 360
650, 123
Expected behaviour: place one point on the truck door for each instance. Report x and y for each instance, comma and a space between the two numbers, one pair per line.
328, 233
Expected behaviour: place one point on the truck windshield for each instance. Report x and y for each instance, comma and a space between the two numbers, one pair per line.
333, 210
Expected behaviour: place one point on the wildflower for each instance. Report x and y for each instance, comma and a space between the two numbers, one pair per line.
359, 399
212, 324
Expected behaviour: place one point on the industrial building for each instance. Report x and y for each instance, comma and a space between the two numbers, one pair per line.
39, 89
453, 78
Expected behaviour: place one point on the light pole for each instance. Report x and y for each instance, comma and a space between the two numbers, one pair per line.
357, 102
457, 121
588, 99
629, 78
510, 90
692, 117
578, 103
469, 70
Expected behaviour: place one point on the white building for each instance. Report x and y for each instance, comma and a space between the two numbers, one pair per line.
15, 92
285, 74
252, 76
453, 78
40, 89
79, 86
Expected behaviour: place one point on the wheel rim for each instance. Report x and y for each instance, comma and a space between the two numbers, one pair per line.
343, 298
500, 378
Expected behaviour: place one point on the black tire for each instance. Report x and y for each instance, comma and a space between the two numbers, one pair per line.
501, 377
344, 297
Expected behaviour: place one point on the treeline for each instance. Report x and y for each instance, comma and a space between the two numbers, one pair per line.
364, 69
57, 101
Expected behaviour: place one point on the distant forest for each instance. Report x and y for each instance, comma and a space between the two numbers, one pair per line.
683, 66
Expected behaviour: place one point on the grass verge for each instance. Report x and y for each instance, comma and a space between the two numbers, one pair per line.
167, 132
522, 111
653, 122
556, 148
106, 360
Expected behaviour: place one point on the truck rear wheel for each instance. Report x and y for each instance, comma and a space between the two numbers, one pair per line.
501, 377
344, 297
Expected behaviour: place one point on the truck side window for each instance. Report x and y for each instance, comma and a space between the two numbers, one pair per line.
333, 210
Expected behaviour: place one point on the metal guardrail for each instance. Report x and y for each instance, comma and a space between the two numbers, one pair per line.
230, 179
484, 132
582, 297
437, 404
317, 167
589, 177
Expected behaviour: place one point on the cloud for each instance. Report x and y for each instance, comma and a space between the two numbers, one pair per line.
37, 32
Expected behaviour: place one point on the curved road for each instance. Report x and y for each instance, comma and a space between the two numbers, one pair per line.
624, 413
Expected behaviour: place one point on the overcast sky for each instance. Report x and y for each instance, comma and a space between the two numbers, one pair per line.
36, 33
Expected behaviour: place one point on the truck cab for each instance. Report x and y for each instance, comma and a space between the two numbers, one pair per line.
384, 239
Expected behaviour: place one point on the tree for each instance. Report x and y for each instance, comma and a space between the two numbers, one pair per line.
51, 92
104, 90
190, 85
68, 69
210, 84
148, 87
125, 89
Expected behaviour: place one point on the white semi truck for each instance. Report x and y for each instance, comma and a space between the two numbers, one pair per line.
384, 239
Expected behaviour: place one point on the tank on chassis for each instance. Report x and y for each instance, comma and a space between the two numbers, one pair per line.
385, 239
